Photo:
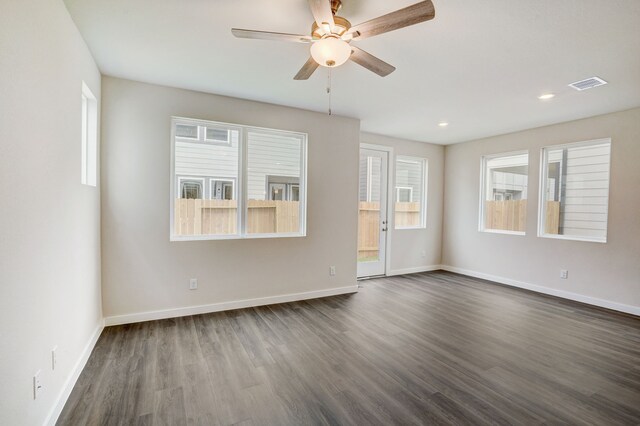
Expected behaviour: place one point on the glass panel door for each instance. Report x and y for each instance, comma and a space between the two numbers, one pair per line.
372, 213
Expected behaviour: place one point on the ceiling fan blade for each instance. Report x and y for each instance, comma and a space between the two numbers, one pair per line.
307, 69
321, 10
266, 35
370, 62
410, 15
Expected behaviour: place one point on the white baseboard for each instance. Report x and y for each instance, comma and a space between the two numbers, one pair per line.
52, 418
633, 310
415, 270
225, 306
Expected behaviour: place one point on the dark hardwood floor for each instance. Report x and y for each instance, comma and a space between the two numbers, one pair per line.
432, 348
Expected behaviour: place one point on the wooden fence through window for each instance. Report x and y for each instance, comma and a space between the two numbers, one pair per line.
219, 217
406, 215
511, 215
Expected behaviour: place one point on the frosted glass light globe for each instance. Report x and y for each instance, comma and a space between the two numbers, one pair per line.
330, 52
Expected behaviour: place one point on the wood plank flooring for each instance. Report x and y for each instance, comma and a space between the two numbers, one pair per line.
432, 348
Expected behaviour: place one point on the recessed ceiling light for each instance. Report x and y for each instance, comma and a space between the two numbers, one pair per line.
443, 124
546, 96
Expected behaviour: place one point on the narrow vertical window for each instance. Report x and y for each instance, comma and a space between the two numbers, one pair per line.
503, 206
89, 137
410, 192
574, 191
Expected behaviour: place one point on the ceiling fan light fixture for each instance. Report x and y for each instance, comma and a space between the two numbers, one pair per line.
330, 52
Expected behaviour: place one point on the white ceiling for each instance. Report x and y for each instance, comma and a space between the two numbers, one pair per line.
479, 65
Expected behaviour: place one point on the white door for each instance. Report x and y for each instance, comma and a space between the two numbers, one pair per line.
372, 214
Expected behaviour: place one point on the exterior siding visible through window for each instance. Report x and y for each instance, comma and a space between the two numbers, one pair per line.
503, 193
410, 192
574, 191
235, 194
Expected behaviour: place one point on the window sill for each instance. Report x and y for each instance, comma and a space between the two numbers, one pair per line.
174, 238
499, 231
202, 142
573, 238
409, 228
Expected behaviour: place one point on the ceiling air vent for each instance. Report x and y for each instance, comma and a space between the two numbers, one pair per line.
588, 83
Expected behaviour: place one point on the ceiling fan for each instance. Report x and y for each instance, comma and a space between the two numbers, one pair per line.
331, 36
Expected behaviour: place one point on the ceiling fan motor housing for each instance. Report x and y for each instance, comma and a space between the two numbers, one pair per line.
341, 26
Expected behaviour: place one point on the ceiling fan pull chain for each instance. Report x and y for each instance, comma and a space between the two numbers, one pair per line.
329, 88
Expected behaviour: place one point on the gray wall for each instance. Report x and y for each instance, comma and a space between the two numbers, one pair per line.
49, 221
143, 271
409, 245
607, 271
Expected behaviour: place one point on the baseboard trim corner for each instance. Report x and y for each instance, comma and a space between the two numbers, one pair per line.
414, 270
63, 396
226, 306
615, 306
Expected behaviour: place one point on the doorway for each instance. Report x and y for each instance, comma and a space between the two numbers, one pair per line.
372, 212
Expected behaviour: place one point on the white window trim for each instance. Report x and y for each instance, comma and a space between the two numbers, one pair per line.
178, 193
201, 137
242, 182
423, 194
544, 158
484, 189
232, 181
89, 138
398, 188
288, 182
214, 141
188, 138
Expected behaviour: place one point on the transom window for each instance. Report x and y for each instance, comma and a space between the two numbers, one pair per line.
233, 181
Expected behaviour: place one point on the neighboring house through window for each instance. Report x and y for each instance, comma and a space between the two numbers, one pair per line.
503, 193
411, 192
574, 191
246, 181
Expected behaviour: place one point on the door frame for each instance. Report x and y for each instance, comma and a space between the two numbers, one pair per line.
390, 196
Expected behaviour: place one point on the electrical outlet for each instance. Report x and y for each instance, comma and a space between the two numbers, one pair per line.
564, 274
193, 284
37, 385
423, 254
332, 270
54, 357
